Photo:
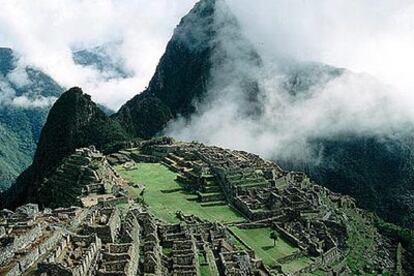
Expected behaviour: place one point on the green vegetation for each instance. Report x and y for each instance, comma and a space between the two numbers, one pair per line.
165, 197
274, 236
403, 235
296, 265
204, 267
13, 158
361, 241
259, 240
20, 126
376, 171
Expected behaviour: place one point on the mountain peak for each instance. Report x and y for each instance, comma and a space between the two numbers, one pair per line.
74, 121
70, 124
183, 74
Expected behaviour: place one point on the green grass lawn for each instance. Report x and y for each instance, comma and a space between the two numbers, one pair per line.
204, 267
259, 240
164, 205
296, 265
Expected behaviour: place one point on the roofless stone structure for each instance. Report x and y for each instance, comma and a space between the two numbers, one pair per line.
101, 229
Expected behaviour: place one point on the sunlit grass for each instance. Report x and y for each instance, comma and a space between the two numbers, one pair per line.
158, 180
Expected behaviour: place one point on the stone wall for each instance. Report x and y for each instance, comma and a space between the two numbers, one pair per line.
288, 237
108, 232
19, 241
89, 258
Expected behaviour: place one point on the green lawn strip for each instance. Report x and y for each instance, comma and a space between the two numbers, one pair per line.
204, 267
158, 178
296, 265
123, 208
259, 240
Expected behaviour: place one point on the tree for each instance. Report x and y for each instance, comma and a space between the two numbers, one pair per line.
142, 194
274, 236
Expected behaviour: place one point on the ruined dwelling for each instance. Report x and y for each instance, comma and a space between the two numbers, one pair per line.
97, 237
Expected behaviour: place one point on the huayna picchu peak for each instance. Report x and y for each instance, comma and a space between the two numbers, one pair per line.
183, 75
120, 194
74, 121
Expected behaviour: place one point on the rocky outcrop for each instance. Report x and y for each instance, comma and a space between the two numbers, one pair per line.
183, 74
82, 179
74, 121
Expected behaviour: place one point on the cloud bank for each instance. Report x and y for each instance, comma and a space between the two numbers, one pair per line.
45, 33
300, 99
372, 38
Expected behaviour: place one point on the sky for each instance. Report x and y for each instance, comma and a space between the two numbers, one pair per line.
374, 39
44, 33
372, 36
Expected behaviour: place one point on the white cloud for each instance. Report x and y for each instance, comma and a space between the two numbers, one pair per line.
45, 31
374, 37
19, 77
38, 102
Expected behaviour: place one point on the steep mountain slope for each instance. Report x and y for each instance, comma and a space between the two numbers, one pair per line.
182, 77
26, 94
74, 121
377, 171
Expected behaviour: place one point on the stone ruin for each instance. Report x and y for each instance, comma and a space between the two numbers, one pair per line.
69, 241
101, 239
84, 179
288, 202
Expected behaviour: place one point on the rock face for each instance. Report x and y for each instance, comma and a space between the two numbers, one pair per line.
183, 74
26, 95
74, 121
180, 77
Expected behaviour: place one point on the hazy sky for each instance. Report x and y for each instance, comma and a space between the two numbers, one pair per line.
45, 31
373, 36
373, 39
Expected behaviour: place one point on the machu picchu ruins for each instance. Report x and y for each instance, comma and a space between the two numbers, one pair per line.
106, 217
206, 138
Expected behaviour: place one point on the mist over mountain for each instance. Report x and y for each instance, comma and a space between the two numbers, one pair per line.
312, 117
26, 94
216, 83
104, 59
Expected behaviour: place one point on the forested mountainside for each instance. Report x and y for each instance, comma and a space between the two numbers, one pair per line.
26, 94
